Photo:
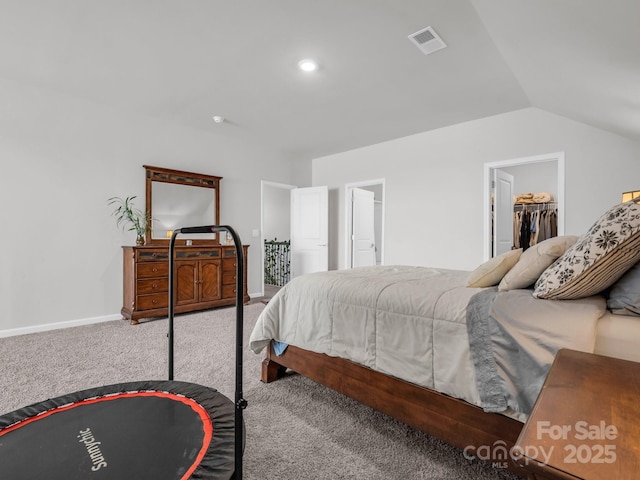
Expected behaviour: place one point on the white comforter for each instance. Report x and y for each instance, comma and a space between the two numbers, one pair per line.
408, 322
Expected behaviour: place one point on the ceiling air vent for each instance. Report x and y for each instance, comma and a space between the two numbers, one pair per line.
427, 40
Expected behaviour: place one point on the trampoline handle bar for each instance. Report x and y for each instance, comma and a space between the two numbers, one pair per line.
240, 402
205, 229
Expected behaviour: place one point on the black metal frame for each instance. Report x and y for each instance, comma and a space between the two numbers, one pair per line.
240, 402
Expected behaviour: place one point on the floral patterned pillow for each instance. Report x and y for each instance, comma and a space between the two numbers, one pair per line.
598, 259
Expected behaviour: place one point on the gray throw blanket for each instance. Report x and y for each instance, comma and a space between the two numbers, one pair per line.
479, 327
514, 338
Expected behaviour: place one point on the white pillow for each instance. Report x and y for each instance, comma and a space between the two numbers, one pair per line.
491, 272
534, 261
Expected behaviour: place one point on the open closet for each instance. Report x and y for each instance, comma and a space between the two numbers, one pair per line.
525, 198
535, 211
534, 222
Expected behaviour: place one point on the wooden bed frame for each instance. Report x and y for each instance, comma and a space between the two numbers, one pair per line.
454, 421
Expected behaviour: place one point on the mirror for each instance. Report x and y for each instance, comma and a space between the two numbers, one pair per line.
176, 199
176, 206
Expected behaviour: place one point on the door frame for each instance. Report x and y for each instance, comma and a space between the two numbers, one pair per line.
264, 183
557, 157
348, 196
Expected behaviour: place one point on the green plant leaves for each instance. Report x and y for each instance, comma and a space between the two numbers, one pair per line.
128, 215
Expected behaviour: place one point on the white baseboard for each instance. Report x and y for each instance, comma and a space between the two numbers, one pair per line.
54, 326
11, 332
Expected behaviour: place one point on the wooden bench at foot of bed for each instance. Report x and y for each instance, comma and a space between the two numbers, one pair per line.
452, 420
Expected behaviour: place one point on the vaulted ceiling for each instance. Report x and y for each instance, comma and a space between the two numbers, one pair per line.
186, 61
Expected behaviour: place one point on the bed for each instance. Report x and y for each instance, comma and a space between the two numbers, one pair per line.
453, 353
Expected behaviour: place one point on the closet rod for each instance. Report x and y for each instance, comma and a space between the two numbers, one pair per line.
535, 206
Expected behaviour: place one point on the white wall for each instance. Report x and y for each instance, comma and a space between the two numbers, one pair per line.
61, 158
534, 178
434, 182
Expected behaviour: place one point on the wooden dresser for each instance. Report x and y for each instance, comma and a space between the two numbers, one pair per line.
205, 278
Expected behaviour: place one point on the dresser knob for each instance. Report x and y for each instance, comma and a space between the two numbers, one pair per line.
155, 270
155, 285
155, 300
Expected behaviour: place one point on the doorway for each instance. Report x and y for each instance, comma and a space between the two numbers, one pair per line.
293, 233
539, 166
275, 227
378, 188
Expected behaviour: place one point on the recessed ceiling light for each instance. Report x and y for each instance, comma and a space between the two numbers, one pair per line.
218, 119
308, 65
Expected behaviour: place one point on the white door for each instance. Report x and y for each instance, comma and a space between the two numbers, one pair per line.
364, 238
502, 212
309, 230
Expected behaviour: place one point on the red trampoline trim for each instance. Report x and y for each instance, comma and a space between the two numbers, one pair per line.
207, 426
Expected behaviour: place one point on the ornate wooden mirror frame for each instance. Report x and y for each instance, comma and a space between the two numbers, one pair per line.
176, 206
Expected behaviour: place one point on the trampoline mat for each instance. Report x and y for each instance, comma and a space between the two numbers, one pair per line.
160, 430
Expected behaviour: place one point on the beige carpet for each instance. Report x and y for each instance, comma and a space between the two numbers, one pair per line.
296, 429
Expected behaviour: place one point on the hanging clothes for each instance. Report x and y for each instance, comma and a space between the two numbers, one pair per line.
534, 223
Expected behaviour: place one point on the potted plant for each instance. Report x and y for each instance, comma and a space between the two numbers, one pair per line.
127, 214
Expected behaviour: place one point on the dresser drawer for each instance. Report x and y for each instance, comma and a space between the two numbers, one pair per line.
149, 302
193, 254
229, 265
150, 270
148, 255
228, 278
229, 252
228, 291
229, 272
152, 285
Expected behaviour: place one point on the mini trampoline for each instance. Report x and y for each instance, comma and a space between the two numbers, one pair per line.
156, 430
